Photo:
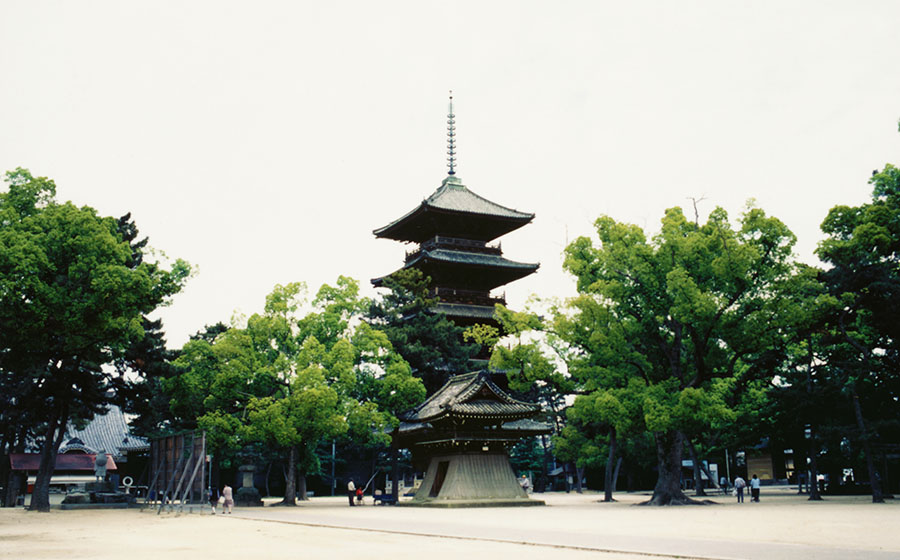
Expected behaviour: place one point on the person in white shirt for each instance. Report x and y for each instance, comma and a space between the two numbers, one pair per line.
754, 489
739, 485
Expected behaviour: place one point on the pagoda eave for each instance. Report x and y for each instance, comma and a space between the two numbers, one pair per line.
425, 222
466, 271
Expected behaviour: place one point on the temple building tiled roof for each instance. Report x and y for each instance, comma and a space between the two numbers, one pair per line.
106, 432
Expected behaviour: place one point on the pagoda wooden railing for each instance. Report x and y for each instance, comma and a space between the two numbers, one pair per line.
455, 244
468, 297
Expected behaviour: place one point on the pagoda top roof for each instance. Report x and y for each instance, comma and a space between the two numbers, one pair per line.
455, 211
472, 395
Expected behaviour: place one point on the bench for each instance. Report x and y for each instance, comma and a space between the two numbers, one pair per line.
384, 499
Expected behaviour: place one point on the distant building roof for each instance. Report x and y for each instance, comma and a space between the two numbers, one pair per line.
106, 432
454, 210
68, 462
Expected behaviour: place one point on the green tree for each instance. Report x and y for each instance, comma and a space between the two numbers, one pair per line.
287, 381
527, 357
862, 248
431, 344
682, 321
72, 300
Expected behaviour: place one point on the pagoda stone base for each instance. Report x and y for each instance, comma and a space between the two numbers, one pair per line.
471, 479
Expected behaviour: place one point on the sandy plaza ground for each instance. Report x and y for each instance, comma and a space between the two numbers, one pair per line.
782, 525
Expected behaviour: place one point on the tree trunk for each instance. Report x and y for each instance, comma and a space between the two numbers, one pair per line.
668, 491
704, 468
290, 479
15, 480
395, 474
579, 474
545, 476
5, 469
812, 447
813, 482
608, 485
698, 480
874, 481
268, 472
15, 483
301, 487
56, 431
615, 480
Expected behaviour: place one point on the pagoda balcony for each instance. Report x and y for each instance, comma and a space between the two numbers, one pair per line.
467, 297
454, 244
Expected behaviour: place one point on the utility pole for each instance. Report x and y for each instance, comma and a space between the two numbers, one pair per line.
727, 466
333, 481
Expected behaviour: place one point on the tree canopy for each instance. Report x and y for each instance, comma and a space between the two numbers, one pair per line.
676, 328
288, 380
74, 293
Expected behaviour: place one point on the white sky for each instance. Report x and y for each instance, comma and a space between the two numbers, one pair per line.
264, 141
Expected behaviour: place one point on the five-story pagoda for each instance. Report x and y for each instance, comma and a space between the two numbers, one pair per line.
463, 431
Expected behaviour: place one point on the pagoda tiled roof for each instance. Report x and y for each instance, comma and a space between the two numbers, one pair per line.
439, 263
472, 395
485, 312
415, 434
475, 259
527, 425
107, 432
453, 198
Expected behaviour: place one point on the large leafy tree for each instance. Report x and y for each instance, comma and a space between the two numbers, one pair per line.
680, 323
801, 405
73, 298
532, 370
288, 380
862, 248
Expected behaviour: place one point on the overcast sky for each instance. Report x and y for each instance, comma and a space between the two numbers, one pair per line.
264, 141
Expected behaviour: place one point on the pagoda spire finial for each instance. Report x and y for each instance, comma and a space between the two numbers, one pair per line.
451, 137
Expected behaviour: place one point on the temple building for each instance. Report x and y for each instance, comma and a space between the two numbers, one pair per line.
462, 433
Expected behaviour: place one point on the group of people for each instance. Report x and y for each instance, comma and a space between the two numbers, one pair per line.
354, 492
740, 484
225, 499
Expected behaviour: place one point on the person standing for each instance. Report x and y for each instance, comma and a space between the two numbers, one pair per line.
739, 485
723, 482
351, 491
754, 489
212, 496
229, 500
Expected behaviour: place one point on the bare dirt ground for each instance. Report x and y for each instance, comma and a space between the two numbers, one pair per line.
782, 525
